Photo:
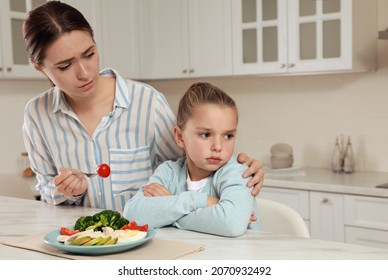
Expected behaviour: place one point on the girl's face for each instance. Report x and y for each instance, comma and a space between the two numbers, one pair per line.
208, 139
72, 64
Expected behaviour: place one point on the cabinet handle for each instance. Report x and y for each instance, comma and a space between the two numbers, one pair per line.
291, 65
184, 71
1, 69
283, 65
9, 69
191, 71
325, 200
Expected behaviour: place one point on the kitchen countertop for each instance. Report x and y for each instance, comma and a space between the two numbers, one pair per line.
21, 217
320, 179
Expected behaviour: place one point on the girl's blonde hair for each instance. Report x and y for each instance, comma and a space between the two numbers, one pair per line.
198, 94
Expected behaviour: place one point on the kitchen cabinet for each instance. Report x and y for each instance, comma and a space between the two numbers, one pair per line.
303, 36
327, 216
185, 38
366, 220
358, 219
120, 47
14, 59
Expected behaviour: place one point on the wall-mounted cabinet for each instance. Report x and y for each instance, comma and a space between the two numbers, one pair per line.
120, 47
185, 38
304, 36
151, 39
14, 59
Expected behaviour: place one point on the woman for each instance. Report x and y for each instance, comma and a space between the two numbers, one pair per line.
91, 117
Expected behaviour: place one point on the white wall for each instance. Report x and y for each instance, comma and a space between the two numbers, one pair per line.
13, 97
307, 112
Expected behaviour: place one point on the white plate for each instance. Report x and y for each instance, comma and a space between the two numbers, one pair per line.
51, 239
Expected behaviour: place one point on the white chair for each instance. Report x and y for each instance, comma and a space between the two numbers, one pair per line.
279, 218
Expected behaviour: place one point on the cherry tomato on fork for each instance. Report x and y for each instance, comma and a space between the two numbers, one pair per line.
103, 170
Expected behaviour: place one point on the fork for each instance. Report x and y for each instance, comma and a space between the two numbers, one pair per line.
90, 175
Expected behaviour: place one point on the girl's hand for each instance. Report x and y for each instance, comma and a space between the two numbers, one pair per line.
253, 218
211, 200
255, 170
70, 184
155, 189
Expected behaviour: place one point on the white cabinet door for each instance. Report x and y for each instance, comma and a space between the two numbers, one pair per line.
299, 36
259, 36
164, 37
366, 220
120, 37
185, 38
320, 35
14, 61
327, 216
210, 38
366, 212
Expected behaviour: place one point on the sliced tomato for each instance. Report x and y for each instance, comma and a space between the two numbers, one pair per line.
132, 225
68, 231
142, 228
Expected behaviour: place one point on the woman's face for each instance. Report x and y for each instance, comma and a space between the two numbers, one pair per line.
72, 64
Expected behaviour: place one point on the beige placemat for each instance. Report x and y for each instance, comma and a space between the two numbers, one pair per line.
155, 249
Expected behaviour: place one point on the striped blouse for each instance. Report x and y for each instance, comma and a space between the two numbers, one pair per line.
133, 139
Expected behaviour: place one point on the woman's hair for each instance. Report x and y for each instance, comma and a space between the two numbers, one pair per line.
46, 23
199, 94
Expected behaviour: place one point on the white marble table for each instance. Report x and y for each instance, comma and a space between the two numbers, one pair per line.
21, 217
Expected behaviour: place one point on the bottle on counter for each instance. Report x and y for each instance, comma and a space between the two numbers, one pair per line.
337, 159
349, 158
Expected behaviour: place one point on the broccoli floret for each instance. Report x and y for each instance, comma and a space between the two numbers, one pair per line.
105, 218
103, 215
84, 222
114, 218
119, 223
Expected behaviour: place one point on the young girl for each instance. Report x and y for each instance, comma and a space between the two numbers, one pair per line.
204, 190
